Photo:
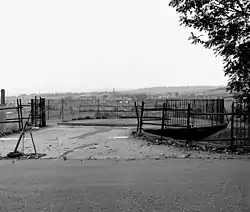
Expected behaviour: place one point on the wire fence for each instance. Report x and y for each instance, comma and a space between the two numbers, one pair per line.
82, 109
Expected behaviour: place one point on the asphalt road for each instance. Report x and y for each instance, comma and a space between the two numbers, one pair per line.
143, 185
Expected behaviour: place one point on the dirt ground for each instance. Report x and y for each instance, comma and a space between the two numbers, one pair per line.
83, 143
93, 143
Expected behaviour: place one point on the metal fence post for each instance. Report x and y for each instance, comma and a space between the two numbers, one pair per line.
222, 110
117, 109
40, 111
188, 115
212, 111
248, 122
188, 121
35, 115
32, 111
166, 112
48, 108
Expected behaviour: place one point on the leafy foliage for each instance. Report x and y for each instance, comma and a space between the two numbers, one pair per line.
224, 26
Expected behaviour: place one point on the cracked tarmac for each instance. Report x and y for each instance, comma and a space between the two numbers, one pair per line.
94, 143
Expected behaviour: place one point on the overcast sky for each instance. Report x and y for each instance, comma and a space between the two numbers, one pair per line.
86, 45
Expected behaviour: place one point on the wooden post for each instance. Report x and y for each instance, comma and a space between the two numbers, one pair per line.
232, 128
79, 110
207, 109
98, 108
18, 113
22, 134
163, 119
62, 110
21, 112
32, 139
43, 112
141, 118
137, 116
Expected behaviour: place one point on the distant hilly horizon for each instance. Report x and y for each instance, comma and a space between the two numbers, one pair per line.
173, 89
162, 90
159, 88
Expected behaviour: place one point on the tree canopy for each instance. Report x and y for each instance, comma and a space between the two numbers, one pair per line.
224, 26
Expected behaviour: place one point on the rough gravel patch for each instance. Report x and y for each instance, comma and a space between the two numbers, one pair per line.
200, 151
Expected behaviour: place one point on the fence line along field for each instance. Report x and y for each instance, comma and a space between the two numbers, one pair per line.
79, 109
203, 113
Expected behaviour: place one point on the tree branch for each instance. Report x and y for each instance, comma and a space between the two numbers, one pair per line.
233, 9
240, 5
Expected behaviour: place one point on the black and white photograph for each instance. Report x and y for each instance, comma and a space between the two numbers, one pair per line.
125, 106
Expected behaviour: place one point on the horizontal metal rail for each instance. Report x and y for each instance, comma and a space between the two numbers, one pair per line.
225, 114
167, 109
100, 105
14, 108
6, 122
10, 108
175, 125
13, 119
152, 117
103, 111
223, 139
155, 119
152, 123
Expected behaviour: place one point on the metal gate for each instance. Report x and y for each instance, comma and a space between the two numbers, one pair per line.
38, 112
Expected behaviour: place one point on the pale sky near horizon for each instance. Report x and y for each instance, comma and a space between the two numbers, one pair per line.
89, 45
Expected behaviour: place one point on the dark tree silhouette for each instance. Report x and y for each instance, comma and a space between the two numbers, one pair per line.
224, 26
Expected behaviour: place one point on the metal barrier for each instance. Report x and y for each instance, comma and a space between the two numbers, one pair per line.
235, 124
20, 113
